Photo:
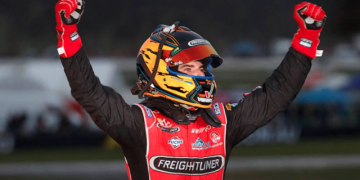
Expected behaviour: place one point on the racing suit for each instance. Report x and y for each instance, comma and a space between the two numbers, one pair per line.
125, 123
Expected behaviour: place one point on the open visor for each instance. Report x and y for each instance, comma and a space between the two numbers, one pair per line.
181, 56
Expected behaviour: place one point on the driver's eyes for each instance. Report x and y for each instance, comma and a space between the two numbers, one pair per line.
187, 69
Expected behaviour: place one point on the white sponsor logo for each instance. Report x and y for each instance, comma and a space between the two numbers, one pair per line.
204, 100
178, 63
196, 42
215, 137
200, 130
168, 59
74, 36
306, 42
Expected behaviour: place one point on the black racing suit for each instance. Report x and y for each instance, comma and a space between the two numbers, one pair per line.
125, 124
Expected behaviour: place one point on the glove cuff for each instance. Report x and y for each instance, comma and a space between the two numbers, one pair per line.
306, 42
69, 41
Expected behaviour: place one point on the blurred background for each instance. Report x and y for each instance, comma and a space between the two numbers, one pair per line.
45, 134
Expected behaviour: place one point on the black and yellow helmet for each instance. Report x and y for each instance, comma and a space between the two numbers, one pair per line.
158, 59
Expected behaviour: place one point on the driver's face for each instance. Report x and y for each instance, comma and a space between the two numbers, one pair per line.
194, 68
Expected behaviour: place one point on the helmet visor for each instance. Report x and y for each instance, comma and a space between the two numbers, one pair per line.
179, 56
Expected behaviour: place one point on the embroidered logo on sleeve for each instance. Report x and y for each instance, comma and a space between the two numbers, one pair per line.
148, 112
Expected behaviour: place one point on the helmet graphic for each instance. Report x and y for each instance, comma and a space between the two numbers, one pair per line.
158, 61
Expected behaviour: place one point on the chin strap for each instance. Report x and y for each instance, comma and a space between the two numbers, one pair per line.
179, 114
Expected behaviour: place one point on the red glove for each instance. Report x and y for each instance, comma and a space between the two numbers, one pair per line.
68, 14
311, 19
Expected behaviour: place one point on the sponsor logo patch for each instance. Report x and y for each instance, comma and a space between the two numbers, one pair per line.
228, 106
306, 42
175, 142
164, 123
187, 165
217, 109
197, 42
169, 130
178, 63
148, 112
204, 100
200, 145
200, 130
215, 137
74, 36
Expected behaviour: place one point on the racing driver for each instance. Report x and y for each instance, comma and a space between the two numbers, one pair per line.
178, 132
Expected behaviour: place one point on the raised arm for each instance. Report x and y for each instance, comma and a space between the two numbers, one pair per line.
107, 108
261, 105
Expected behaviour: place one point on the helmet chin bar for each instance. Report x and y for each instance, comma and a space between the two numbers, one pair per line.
201, 97
205, 92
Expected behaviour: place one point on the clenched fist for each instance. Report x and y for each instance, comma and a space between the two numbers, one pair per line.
68, 14
311, 20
